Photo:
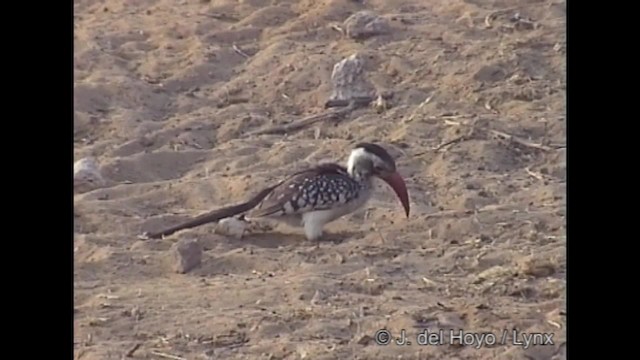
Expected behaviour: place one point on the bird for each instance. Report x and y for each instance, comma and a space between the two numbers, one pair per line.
319, 195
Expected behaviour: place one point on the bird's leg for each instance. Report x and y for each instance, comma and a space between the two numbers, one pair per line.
313, 223
313, 234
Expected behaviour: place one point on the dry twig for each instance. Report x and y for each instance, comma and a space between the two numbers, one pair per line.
520, 141
80, 353
551, 322
167, 356
338, 29
458, 139
382, 239
499, 134
534, 174
309, 120
443, 213
132, 350
450, 142
360, 101
426, 101
428, 281
484, 209
221, 17
449, 116
239, 51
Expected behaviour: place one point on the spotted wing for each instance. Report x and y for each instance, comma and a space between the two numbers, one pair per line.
319, 188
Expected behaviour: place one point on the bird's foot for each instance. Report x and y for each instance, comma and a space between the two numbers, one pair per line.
326, 238
332, 238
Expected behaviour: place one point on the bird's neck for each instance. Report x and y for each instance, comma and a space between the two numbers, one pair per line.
360, 175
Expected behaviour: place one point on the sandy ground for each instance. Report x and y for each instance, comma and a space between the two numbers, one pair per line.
166, 93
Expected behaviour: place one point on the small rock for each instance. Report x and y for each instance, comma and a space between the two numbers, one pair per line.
365, 24
232, 227
86, 175
187, 254
349, 81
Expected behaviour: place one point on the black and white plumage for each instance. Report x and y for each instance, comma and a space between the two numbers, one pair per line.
315, 197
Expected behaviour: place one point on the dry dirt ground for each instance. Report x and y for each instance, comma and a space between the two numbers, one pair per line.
166, 93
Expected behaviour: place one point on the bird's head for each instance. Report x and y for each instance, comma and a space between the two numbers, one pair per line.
368, 160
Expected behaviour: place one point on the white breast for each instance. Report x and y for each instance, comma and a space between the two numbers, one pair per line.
314, 221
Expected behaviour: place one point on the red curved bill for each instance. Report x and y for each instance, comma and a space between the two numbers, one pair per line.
400, 188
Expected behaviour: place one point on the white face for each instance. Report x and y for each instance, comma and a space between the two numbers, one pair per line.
362, 159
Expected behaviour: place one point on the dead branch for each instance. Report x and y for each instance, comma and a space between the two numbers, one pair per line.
309, 120
450, 142
212, 216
